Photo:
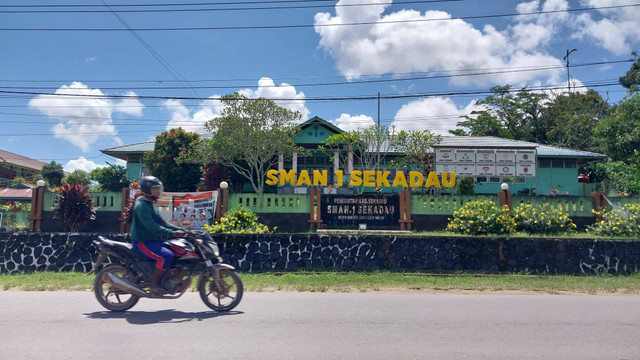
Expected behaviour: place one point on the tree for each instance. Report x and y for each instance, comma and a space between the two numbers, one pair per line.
480, 123
248, 137
214, 174
111, 177
53, 173
620, 133
78, 176
416, 147
510, 116
632, 77
369, 146
175, 176
574, 119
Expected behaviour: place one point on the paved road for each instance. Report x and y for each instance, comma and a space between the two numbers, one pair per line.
289, 325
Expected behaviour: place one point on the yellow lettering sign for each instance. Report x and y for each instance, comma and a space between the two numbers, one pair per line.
368, 178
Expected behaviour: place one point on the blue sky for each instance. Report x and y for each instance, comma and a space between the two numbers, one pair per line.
428, 60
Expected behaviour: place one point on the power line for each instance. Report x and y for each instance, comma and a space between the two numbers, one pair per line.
310, 99
193, 4
200, 9
154, 53
356, 82
301, 26
452, 73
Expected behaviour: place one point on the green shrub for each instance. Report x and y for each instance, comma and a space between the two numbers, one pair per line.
543, 219
482, 217
465, 186
624, 222
239, 220
73, 207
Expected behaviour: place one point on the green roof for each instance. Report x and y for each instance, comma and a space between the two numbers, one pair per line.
481, 142
131, 148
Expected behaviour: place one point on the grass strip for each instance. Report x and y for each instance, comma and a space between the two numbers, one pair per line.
363, 282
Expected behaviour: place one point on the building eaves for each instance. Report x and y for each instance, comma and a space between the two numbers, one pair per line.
20, 160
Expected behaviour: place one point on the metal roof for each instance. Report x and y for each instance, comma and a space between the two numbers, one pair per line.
473, 142
15, 194
483, 142
131, 148
20, 160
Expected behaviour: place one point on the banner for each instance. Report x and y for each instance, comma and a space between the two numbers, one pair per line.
189, 210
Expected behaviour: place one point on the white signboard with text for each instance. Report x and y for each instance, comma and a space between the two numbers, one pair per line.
487, 162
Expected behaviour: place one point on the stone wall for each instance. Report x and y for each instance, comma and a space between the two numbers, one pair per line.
29, 252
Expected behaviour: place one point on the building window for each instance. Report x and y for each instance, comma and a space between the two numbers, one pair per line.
134, 159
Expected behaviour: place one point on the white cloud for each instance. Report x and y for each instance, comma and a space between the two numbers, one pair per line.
129, 105
182, 117
268, 89
407, 41
615, 30
84, 119
81, 163
437, 114
348, 122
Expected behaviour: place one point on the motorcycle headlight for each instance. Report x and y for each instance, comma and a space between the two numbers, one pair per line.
214, 249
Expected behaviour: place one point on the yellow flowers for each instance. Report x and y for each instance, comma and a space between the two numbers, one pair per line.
239, 221
542, 219
481, 217
485, 217
624, 222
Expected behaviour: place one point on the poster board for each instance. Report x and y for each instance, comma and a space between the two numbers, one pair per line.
189, 210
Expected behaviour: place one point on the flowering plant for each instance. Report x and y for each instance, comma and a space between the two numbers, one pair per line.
543, 219
482, 217
624, 222
239, 220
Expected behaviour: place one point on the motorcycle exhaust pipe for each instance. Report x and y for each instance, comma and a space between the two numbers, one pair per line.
125, 285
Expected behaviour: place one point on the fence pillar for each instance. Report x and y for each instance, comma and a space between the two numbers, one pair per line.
505, 198
405, 210
124, 210
221, 204
37, 202
599, 203
314, 209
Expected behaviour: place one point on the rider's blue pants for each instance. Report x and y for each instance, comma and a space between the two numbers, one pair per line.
154, 250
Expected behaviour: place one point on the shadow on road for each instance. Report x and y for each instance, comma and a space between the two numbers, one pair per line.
155, 317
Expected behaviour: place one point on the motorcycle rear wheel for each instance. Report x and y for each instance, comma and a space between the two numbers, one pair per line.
108, 295
225, 297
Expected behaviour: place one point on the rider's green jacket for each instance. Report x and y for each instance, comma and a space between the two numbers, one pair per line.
147, 224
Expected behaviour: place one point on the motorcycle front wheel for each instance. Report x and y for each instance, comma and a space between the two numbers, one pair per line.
108, 295
224, 295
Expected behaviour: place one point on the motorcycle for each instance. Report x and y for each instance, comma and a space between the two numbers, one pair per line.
119, 285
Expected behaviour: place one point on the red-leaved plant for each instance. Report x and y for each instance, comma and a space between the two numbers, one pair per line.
74, 207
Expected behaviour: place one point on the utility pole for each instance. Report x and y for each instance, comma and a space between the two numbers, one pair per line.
566, 58
379, 135
378, 109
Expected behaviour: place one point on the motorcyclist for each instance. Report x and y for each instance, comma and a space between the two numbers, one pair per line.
148, 229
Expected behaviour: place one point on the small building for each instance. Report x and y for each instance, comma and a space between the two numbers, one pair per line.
528, 168
14, 166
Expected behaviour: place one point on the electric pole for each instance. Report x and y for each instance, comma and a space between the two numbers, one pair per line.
566, 58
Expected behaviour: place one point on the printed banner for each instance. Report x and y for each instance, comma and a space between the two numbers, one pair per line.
189, 210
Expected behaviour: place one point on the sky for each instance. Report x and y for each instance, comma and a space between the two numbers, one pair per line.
80, 76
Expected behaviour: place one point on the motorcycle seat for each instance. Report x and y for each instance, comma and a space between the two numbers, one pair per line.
115, 244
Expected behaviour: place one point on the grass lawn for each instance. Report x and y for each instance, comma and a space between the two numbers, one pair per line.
383, 281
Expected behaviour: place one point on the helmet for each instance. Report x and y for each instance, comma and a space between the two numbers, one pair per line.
148, 183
